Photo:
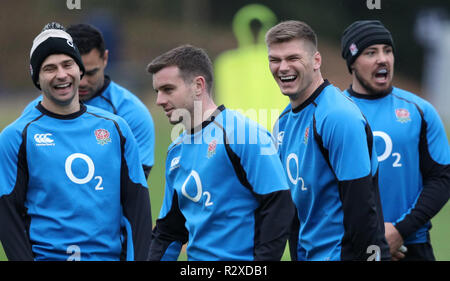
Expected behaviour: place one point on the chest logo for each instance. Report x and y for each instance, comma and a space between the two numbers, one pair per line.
403, 115
102, 136
211, 149
306, 136
44, 140
175, 163
280, 137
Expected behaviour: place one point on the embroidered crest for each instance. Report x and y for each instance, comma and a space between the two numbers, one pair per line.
306, 136
102, 136
353, 49
403, 115
211, 149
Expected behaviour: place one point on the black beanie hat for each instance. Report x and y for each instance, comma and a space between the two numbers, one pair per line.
52, 40
360, 35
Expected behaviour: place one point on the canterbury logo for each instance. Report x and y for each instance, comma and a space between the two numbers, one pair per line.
175, 163
43, 139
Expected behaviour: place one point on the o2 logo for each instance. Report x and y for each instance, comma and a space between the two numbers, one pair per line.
388, 149
199, 189
295, 179
90, 174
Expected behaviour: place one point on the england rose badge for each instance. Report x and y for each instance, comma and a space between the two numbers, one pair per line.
403, 115
102, 136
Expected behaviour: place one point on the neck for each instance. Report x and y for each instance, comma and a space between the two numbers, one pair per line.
357, 87
302, 96
61, 109
203, 109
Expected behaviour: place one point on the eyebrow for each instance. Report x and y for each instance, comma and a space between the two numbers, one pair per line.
164, 86
92, 71
54, 64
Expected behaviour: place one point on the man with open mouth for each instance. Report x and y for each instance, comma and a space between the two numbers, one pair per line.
412, 147
325, 145
99, 90
71, 184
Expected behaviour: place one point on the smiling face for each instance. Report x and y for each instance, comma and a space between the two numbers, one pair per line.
294, 65
59, 78
373, 70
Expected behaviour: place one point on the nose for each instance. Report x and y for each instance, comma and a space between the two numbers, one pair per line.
284, 66
382, 58
160, 100
84, 81
61, 73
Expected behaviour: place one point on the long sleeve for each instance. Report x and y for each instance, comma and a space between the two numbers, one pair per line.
169, 233
435, 168
275, 210
293, 236
363, 224
259, 169
135, 199
13, 218
347, 143
13, 230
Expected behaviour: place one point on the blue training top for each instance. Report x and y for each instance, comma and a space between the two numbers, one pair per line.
414, 157
72, 187
325, 145
226, 193
118, 100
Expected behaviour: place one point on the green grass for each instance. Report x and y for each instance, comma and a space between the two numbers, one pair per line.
440, 234
8, 113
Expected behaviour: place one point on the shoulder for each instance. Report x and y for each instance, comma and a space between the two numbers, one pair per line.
11, 136
100, 113
120, 94
286, 110
33, 114
126, 103
32, 104
235, 121
96, 112
425, 107
334, 106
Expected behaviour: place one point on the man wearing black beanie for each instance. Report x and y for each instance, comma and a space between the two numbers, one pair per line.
99, 90
52, 40
412, 147
71, 183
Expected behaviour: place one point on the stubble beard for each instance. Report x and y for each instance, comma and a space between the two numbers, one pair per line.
371, 90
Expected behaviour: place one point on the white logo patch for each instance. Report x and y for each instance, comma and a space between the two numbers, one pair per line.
70, 43
175, 163
280, 137
44, 140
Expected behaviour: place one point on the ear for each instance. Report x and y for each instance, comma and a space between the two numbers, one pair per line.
199, 85
317, 60
105, 58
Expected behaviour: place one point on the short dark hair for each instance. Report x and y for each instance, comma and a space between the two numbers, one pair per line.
87, 37
290, 30
191, 61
